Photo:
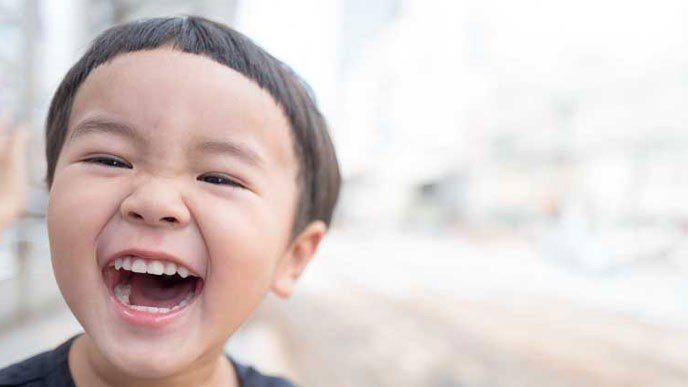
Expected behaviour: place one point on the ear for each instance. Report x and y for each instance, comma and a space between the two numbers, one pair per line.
296, 258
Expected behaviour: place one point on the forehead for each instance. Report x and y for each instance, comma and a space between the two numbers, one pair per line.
187, 96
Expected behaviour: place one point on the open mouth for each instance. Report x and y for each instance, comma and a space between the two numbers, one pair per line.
151, 286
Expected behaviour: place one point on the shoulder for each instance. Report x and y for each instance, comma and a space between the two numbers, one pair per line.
250, 377
26, 372
38, 369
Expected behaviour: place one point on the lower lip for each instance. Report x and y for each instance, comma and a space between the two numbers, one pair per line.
145, 319
151, 320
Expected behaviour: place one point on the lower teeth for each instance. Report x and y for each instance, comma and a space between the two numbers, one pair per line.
123, 292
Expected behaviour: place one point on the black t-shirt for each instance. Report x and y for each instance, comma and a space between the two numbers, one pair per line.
50, 369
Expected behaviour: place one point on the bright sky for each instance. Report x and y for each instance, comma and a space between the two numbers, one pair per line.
441, 55
303, 34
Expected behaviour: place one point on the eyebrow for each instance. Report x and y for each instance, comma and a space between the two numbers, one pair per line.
103, 125
232, 149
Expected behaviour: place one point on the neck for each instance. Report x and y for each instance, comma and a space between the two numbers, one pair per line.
90, 368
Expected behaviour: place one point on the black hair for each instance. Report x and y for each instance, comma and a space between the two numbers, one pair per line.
318, 178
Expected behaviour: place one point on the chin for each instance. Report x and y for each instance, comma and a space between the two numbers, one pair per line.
147, 360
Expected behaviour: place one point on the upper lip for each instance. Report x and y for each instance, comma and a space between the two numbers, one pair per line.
152, 255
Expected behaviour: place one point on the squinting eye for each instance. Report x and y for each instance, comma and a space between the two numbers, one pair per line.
108, 162
219, 180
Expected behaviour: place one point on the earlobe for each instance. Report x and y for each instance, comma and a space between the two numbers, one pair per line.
296, 258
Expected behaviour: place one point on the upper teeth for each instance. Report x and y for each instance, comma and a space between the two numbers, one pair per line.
140, 265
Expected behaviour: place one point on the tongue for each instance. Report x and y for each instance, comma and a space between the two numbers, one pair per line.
159, 291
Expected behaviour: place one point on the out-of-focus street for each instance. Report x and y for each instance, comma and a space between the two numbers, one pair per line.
428, 311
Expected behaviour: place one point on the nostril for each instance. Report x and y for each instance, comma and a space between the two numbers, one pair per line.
169, 219
135, 215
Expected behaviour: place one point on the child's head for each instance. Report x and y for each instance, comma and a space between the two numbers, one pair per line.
178, 145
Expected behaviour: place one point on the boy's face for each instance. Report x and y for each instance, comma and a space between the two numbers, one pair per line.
175, 158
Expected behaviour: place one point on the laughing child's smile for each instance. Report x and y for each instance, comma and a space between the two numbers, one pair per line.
153, 148
190, 174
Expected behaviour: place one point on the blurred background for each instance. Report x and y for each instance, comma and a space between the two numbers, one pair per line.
515, 200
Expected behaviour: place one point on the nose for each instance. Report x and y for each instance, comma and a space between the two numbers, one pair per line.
156, 203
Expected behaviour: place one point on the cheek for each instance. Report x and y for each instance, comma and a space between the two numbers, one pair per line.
243, 229
77, 212
79, 208
241, 240
244, 243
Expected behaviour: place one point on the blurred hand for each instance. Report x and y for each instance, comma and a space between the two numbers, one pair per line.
13, 173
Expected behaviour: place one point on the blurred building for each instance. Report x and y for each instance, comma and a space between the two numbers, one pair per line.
475, 118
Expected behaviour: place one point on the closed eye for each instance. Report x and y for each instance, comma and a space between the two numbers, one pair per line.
219, 180
108, 162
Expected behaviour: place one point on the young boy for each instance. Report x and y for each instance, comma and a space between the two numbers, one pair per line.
190, 173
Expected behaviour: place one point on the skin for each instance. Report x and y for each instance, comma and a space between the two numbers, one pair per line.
13, 174
226, 217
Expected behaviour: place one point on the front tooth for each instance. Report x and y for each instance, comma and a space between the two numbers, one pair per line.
163, 310
126, 264
118, 263
170, 268
139, 266
155, 267
183, 272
